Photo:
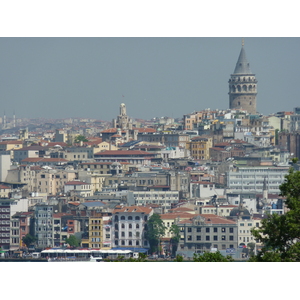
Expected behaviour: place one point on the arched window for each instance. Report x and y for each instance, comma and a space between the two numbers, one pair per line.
129, 217
123, 243
116, 218
239, 103
116, 242
116, 227
137, 226
250, 88
137, 243
123, 218
239, 88
244, 88
130, 243
122, 225
145, 218
137, 218
130, 225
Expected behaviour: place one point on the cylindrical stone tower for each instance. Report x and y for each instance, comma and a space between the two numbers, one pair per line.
243, 86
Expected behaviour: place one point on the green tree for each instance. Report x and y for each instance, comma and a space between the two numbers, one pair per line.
156, 229
280, 234
212, 257
80, 138
251, 247
178, 258
73, 241
28, 240
175, 231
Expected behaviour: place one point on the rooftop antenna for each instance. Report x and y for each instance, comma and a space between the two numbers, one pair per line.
243, 42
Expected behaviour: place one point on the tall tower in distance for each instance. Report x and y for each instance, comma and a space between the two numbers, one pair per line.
243, 85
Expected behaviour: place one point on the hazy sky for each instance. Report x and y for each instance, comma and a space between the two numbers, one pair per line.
88, 77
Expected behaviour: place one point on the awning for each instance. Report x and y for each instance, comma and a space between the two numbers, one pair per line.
141, 250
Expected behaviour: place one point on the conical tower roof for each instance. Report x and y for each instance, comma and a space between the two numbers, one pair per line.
242, 65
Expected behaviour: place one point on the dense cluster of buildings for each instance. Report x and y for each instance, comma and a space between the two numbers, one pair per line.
213, 173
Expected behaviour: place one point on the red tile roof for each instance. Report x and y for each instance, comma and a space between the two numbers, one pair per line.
43, 159
122, 153
4, 187
131, 209
10, 142
75, 183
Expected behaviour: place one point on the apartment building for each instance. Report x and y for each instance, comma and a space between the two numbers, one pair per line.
206, 232
43, 225
128, 226
199, 147
5, 214
166, 199
247, 179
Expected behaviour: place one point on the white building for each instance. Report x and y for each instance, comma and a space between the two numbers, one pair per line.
251, 179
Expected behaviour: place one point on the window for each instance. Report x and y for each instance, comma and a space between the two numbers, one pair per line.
215, 229
189, 237
223, 229
198, 237
231, 238
207, 229
189, 229
207, 238
198, 229
215, 237
231, 230
241, 224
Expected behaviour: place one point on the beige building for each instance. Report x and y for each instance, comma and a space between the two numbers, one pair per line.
199, 147
96, 231
11, 145
40, 180
5, 191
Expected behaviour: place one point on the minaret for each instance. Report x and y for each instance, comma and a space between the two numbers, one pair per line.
4, 121
14, 120
243, 85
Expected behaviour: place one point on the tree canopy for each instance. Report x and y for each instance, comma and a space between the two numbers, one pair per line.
280, 234
212, 257
156, 229
28, 240
80, 138
175, 231
73, 241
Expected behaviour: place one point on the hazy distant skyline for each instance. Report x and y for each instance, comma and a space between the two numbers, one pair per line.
154, 77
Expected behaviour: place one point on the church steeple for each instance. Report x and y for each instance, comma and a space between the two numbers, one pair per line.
243, 85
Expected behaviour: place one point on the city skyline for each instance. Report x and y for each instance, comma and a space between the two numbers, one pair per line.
154, 77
